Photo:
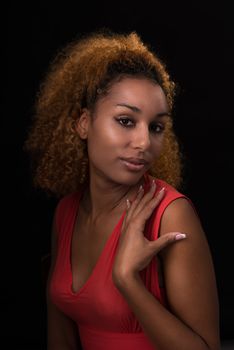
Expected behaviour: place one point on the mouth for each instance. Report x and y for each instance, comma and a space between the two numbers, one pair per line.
134, 164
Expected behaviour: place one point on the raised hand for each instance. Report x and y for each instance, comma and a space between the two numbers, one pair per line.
135, 251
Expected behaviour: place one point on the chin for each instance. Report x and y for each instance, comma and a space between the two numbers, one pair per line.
128, 179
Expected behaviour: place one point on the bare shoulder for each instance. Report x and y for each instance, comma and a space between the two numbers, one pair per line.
181, 215
191, 255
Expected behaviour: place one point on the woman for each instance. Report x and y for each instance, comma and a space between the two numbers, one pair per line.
131, 268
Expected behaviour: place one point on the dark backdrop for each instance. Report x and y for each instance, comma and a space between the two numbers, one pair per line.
195, 39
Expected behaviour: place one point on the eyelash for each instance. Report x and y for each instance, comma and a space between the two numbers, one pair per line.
120, 121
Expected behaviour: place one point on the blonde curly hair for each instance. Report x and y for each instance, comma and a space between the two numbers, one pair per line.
74, 81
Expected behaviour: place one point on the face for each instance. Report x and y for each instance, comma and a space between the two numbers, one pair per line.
125, 133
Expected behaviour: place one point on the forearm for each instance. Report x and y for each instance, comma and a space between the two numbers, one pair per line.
163, 328
63, 339
62, 332
52, 345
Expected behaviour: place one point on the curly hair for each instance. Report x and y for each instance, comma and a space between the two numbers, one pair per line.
78, 75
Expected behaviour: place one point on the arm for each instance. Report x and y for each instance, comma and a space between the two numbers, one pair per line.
62, 332
189, 274
192, 321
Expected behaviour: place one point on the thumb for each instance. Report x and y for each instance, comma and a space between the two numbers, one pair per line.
167, 239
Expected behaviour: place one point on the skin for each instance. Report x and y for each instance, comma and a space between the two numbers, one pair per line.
108, 140
192, 319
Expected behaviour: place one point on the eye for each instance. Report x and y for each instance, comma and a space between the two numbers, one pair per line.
156, 128
126, 122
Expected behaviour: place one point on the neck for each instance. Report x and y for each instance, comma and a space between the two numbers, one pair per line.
105, 197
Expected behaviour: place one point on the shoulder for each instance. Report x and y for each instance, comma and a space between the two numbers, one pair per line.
65, 203
180, 215
176, 211
174, 203
170, 191
65, 206
67, 200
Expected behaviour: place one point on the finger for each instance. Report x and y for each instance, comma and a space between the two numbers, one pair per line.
166, 240
159, 196
132, 205
148, 207
151, 205
145, 199
128, 205
141, 210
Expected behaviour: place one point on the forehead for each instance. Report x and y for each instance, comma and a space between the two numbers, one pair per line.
140, 92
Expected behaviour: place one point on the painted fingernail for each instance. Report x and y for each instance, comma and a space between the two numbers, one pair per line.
140, 189
162, 190
153, 184
180, 236
128, 203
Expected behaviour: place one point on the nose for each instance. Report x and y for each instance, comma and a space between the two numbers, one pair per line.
141, 137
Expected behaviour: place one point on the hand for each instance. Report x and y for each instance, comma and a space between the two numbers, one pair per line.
135, 251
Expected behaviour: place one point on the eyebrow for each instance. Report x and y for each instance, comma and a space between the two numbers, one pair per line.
138, 110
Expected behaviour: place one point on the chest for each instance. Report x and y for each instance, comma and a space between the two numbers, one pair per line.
87, 246
84, 266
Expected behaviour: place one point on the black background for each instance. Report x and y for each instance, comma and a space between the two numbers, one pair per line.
195, 40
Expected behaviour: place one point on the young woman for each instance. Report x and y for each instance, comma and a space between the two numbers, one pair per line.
131, 268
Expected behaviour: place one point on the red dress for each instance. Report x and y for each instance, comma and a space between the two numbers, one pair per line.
102, 315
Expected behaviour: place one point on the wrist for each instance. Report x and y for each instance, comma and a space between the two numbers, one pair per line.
123, 280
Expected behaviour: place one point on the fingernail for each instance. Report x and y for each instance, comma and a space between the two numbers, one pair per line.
140, 189
162, 190
180, 236
153, 184
128, 203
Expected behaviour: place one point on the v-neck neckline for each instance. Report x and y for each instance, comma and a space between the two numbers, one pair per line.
100, 257
107, 243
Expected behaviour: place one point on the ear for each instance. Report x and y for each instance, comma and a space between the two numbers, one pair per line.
82, 125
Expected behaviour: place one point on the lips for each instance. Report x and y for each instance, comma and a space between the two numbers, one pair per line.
134, 164
135, 161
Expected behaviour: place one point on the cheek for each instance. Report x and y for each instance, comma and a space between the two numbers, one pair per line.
157, 144
104, 138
